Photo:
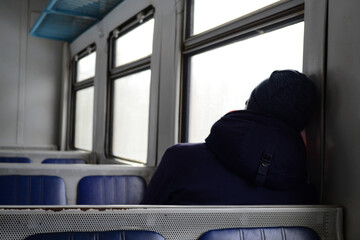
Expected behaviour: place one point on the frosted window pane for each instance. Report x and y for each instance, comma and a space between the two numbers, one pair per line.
84, 118
209, 13
135, 45
221, 80
131, 116
86, 67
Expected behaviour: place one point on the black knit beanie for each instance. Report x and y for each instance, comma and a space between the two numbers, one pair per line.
287, 95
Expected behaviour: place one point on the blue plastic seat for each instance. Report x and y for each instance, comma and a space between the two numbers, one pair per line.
271, 233
110, 190
32, 190
64, 161
110, 235
15, 160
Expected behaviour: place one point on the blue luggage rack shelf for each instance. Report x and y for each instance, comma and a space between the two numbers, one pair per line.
65, 20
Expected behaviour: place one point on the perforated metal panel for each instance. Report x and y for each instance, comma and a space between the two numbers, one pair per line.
174, 223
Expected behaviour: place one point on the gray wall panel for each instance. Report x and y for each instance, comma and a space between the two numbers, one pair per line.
30, 78
342, 115
42, 110
10, 24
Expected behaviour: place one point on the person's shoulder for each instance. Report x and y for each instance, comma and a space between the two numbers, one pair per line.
186, 152
184, 148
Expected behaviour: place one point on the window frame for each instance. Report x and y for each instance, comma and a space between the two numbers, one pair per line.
267, 19
124, 70
77, 86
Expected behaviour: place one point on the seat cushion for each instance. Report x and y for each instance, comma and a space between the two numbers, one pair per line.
95, 190
32, 190
15, 159
273, 233
64, 161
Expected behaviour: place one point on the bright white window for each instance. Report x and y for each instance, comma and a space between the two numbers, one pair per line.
130, 75
135, 44
86, 67
83, 102
212, 13
131, 116
84, 111
222, 79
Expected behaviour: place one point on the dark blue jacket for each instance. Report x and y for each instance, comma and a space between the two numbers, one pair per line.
225, 169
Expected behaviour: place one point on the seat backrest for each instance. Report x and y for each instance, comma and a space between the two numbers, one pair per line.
15, 160
110, 235
271, 233
64, 161
114, 190
32, 190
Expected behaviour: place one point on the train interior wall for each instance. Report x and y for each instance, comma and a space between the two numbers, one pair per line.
342, 116
31, 86
30, 78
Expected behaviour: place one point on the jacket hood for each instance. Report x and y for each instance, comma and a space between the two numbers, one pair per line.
240, 138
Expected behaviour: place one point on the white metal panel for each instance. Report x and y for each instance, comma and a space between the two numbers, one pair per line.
172, 222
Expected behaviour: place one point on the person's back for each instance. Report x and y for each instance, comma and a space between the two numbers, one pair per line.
254, 156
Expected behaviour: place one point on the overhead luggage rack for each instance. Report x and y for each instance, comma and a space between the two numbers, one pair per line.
65, 20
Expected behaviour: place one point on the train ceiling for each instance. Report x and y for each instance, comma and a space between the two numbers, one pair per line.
65, 20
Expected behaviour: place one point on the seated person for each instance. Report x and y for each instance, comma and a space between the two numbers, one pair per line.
252, 156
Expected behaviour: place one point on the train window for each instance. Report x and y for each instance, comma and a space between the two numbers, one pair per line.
141, 37
84, 118
209, 13
130, 79
131, 116
86, 67
230, 81
222, 67
83, 99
